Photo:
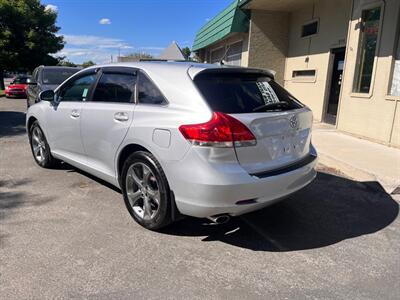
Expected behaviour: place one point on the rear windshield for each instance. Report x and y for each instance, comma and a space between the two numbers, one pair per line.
237, 93
21, 80
57, 75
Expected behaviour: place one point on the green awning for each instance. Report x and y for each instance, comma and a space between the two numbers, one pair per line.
232, 19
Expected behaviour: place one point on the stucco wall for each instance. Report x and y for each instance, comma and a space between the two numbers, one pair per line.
372, 115
268, 42
313, 53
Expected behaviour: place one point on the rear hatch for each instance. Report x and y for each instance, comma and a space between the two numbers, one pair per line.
280, 123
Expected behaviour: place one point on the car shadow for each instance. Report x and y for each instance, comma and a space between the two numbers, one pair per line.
71, 169
329, 210
12, 123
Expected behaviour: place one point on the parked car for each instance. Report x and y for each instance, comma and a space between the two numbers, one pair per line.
17, 87
178, 138
47, 78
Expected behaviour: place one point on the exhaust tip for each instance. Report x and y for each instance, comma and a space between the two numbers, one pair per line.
220, 219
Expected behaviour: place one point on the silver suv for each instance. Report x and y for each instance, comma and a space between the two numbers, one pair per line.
178, 138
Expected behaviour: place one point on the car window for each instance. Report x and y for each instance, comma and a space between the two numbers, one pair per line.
148, 93
21, 80
77, 90
237, 93
115, 88
57, 75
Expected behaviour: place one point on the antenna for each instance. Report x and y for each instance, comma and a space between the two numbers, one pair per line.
221, 62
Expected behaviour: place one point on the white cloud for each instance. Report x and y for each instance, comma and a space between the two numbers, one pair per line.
105, 21
95, 41
80, 48
51, 7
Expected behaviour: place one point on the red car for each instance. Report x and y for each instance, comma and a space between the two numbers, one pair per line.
17, 87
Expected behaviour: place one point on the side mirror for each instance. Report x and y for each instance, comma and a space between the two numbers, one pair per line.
31, 81
47, 95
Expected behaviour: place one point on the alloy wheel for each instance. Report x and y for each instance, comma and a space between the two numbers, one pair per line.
142, 191
38, 144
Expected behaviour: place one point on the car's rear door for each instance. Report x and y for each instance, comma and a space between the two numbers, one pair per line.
281, 125
107, 118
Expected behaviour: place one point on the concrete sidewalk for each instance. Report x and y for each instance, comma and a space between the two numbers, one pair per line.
357, 158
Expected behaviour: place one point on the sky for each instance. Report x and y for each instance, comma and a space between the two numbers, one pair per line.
96, 29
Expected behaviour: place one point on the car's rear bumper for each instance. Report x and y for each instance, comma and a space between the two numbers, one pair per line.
231, 190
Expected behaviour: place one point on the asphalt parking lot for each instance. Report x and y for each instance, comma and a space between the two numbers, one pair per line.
65, 234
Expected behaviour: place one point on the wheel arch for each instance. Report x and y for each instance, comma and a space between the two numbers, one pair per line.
31, 120
124, 154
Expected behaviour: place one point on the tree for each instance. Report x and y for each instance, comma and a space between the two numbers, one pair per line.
28, 35
140, 55
88, 63
186, 52
66, 63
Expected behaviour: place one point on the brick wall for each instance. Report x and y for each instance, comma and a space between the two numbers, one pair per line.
269, 41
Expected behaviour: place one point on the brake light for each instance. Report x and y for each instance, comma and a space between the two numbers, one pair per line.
221, 131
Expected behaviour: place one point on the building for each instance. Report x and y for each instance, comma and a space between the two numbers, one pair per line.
172, 52
341, 58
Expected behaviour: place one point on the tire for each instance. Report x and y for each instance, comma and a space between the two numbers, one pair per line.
38, 140
150, 203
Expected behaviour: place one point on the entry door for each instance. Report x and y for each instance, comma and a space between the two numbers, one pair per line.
336, 84
64, 118
106, 119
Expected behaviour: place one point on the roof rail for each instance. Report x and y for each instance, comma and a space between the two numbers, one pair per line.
159, 59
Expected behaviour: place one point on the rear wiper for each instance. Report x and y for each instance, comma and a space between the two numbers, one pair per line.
272, 106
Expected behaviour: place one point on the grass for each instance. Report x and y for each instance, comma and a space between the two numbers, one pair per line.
2, 93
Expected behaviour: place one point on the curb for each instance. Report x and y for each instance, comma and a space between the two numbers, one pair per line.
390, 185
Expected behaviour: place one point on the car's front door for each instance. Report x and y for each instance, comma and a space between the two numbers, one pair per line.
64, 118
107, 117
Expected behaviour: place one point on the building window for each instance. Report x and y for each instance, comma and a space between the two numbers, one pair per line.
217, 55
367, 46
395, 84
309, 29
303, 73
234, 54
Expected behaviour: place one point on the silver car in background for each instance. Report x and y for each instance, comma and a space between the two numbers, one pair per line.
178, 138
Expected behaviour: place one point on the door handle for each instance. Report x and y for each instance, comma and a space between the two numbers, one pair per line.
75, 113
121, 116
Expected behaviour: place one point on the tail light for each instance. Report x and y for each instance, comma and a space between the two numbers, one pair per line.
221, 131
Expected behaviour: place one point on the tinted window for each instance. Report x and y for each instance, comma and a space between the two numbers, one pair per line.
115, 88
242, 93
57, 75
148, 93
77, 90
21, 80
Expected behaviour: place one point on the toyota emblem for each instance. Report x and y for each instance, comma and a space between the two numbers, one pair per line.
293, 122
